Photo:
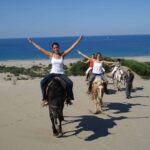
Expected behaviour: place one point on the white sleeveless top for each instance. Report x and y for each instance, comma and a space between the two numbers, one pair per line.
97, 68
57, 65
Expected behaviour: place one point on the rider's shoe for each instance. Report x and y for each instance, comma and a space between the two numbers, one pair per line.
68, 102
128, 97
44, 103
88, 92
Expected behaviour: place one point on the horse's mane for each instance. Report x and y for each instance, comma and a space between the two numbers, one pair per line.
98, 80
55, 86
55, 91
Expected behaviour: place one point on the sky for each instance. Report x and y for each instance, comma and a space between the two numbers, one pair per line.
51, 18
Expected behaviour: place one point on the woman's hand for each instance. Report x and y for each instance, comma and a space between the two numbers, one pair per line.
30, 40
79, 52
81, 37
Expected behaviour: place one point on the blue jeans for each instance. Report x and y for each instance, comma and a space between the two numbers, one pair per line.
69, 87
128, 89
103, 77
48, 78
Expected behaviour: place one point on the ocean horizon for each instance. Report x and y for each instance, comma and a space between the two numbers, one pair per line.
111, 46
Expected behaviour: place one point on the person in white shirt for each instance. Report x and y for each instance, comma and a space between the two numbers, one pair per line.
117, 65
57, 60
97, 69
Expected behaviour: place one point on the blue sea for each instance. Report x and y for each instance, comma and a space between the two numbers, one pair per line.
115, 46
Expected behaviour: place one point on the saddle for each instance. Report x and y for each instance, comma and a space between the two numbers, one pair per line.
62, 82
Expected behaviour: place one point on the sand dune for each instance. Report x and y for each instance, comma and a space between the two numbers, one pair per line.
124, 124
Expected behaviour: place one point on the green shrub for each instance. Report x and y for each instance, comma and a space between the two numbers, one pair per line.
77, 68
141, 68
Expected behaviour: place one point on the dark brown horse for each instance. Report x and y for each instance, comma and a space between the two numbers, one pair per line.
56, 97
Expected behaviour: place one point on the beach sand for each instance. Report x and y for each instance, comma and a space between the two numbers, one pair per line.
124, 123
30, 63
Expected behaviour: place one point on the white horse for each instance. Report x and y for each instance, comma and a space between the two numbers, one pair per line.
118, 79
97, 93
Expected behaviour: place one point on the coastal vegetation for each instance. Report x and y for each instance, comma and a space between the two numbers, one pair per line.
141, 68
75, 69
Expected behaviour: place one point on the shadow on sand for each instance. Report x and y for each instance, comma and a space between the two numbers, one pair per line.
138, 96
137, 89
111, 91
119, 107
96, 126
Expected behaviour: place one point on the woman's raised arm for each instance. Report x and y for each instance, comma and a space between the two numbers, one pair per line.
108, 62
85, 56
85, 62
49, 54
73, 46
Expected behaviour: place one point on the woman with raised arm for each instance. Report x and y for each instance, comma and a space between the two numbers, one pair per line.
90, 66
97, 69
57, 60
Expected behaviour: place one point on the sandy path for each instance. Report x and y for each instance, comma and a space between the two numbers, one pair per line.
124, 124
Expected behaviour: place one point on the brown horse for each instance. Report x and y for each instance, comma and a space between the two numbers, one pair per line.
97, 93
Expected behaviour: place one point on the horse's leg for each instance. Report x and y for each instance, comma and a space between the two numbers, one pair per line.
94, 98
114, 84
102, 94
60, 126
95, 103
55, 132
101, 104
62, 114
98, 100
97, 107
117, 85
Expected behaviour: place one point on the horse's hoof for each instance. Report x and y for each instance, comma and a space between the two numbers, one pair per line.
60, 134
100, 111
62, 118
55, 133
96, 112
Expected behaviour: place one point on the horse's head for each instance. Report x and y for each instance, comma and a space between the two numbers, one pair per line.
121, 71
56, 96
98, 82
97, 93
55, 90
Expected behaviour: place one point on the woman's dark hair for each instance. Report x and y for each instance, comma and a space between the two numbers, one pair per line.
55, 43
93, 54
98, 53
119, 60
